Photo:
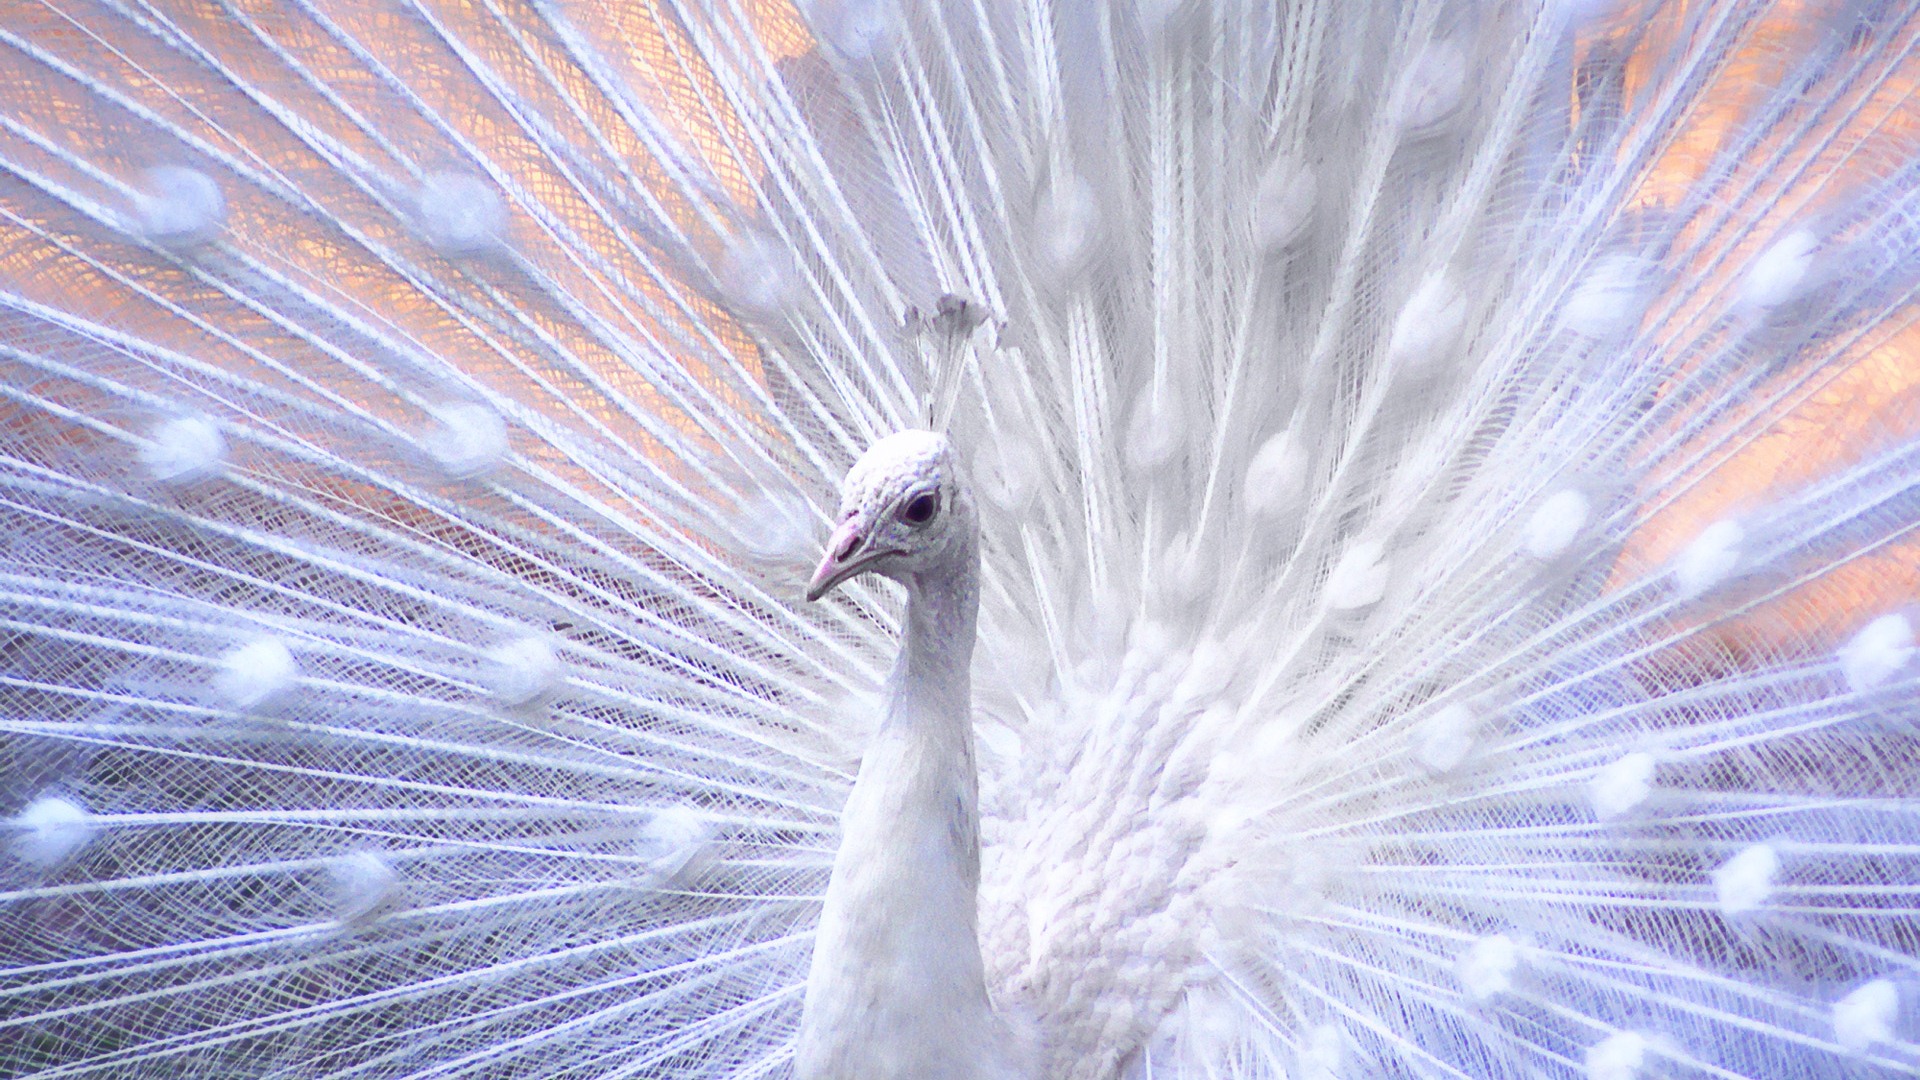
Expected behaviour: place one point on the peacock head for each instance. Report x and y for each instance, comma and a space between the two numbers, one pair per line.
904, 509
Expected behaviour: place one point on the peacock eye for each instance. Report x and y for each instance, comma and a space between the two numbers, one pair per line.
920, 509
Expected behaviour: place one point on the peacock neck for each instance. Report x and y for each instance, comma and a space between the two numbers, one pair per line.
897, 990
936, 651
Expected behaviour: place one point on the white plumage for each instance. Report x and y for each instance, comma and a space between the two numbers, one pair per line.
1445, 473
896, 989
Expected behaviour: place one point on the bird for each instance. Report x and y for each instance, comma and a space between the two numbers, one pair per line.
1067, 539
896, 979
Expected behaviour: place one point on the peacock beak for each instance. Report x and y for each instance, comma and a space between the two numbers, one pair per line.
847, 555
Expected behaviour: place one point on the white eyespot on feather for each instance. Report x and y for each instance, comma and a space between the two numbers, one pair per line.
253, 674
364, 886
1009, 479
1324, 1053
1486, 968
1158, 18
1620, 1056
1298, 883
1434, 85
523, 671
182, 449
178, 207
856, 30
1877, 653
50, 830
1710, 559
756, 276
776, 529
1607, 301
1285, 203
1183, 570
1429, 326
1865, 1015
1276, 477
1067, 221
672, 840
460, 214
1206, 1027
1779, 273
466, 439
1443, 741
1556, 523
1574, 13
1745, 882
1155, 434
1621, 785
1359, 578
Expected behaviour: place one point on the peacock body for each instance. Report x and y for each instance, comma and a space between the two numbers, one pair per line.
1445, 477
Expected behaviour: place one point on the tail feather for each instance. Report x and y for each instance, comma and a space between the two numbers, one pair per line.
1449, 535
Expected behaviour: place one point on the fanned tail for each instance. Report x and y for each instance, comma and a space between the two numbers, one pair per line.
403, 672
1449, 472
